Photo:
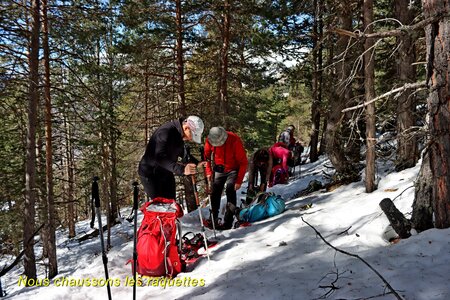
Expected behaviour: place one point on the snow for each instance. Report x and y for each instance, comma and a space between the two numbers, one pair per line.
277, 258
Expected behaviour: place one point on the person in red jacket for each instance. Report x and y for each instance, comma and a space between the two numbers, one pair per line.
226, 164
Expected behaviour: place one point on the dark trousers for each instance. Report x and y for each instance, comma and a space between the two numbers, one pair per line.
159, 183
262, 175
222, 180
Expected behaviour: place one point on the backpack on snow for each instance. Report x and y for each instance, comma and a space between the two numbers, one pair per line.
157, 248
266, 205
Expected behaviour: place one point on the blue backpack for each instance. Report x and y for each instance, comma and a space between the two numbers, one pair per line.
266, 205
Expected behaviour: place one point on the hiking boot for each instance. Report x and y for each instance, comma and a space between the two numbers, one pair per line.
229, 216
208, 223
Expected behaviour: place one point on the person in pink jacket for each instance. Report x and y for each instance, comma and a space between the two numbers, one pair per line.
280, 170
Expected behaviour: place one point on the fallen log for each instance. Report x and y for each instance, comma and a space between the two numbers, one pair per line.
19, 257
399, 223
91, 234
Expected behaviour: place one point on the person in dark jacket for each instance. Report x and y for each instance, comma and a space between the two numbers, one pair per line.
287, 137
261, 162
163, 156
226, 164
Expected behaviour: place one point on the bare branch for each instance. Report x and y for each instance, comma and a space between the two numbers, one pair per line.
403, 29
403, 88
358, 257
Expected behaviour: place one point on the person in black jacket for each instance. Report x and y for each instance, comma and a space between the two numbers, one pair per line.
163, 156
260, 163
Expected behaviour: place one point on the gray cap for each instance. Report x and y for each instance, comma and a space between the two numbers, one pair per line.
217, 136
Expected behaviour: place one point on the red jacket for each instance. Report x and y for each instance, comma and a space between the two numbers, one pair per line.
231, 154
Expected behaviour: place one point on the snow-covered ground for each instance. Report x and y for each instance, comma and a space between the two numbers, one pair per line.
277, 258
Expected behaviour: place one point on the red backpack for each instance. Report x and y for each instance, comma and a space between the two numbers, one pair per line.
157, 247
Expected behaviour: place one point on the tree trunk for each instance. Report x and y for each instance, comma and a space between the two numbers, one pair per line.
105, 183
341, 96
422, 214
438, 74
189, 194
114, 213
50, 232
317, 74
188, 190
41, 196
223, 77
30, 172
407, 150
323, 141
146, 99
369, 82
327, 90
180, 59
70, 179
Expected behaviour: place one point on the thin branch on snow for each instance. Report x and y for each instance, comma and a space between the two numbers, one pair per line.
331, 287
358, 257
345, 231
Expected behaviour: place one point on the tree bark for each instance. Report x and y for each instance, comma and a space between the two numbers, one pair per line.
114, 213
317, 74
438, 74
50, 232
341, 96
30, 172
422, 214
180, 58
369, 87
105, 195
189, 194
407, 149
146, 99
223, 77
70, 179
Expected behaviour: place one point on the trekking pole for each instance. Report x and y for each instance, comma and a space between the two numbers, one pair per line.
92, 212
135, 207
96, 198
1, 290
210, 204
194, 185
202, 154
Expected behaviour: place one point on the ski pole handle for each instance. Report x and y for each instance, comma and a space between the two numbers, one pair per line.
95, 193
135, 195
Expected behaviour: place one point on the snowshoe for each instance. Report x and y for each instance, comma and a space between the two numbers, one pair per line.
191, 245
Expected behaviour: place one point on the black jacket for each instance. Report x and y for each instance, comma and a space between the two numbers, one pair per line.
166, 145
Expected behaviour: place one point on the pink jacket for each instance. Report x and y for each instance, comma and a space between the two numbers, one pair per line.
280, 153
